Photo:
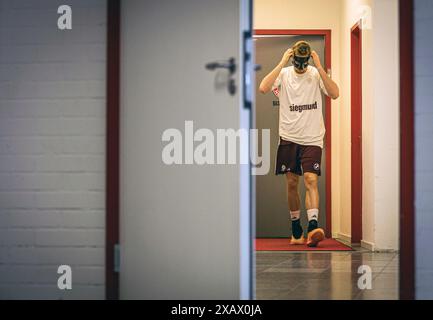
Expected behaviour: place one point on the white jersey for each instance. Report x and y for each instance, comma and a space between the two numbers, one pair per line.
301, 118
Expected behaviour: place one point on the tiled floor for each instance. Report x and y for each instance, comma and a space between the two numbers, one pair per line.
324, 275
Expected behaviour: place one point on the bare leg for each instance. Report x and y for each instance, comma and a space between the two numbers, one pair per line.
315, 234
307, 200
292, 191
294, 205
312, 193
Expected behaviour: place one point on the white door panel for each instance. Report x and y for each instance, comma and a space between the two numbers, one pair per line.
180, 225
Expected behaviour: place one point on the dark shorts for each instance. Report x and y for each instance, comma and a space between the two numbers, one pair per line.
296, 158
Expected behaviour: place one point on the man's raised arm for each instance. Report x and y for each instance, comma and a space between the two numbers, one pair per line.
268, 81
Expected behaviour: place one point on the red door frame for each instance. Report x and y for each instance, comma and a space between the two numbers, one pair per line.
327, 34
407, 170
407, 149
356, 131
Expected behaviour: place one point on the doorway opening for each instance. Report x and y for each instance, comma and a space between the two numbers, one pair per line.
271, 197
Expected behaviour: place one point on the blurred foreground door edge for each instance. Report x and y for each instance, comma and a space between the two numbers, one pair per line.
186, 229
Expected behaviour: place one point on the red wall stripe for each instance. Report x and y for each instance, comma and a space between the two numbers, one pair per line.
407, 141
112, 147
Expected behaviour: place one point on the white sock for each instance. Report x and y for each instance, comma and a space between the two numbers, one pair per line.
295, 215
313, 214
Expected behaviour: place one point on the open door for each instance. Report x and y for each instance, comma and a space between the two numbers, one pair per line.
185, 229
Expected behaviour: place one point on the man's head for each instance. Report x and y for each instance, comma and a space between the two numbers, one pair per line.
301, 55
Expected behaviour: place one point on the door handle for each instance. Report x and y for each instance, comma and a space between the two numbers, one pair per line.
230, 65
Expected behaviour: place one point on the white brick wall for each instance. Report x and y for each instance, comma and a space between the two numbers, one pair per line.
52, 148
424, 147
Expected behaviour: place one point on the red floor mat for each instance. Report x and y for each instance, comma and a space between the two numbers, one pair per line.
283, 244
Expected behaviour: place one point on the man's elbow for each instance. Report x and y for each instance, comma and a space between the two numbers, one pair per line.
335, 95
263, 90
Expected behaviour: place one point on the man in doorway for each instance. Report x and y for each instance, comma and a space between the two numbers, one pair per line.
301, 131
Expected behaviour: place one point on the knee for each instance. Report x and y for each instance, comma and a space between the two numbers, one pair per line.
292, 183
310, 180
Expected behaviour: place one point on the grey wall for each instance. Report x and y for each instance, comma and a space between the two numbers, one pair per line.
424, 147
52, 148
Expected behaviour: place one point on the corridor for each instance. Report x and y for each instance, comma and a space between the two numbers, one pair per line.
325, 275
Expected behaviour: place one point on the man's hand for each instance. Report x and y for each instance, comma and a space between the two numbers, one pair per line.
330, 86
268, 81
286, 57
316, 59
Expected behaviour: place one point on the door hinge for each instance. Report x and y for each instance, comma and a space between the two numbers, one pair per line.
116, 257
